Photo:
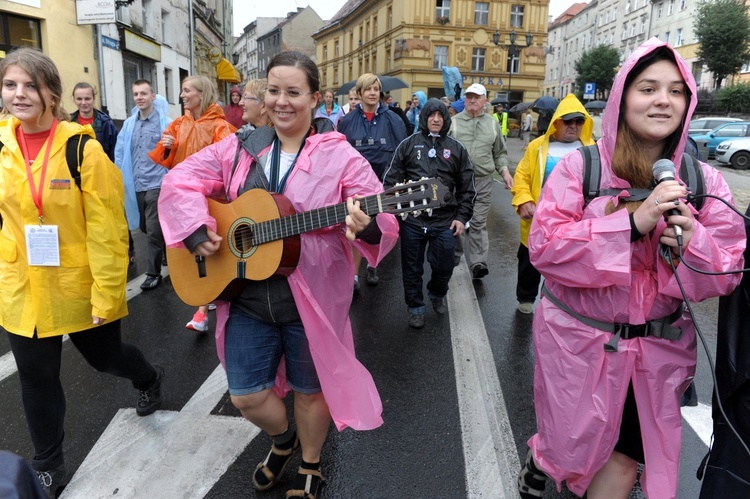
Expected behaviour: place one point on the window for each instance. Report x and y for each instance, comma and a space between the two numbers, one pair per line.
325, 52
660, 11
670, 8
627, 8
745, 68
441, 57
481, 12
632, 29
390, 17
148, 14
168, 85
614, 13
166, 28
375, 27
513, 63
697, 71
666, 37
643, 27
367, 31
123, 15
20, 32
336, 48
351, 40
443, 9
477, 59
636, 4
516, 16
678, 38
683, 4
624, 33
335, 76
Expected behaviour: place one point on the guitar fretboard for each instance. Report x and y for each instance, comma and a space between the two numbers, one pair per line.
292, 225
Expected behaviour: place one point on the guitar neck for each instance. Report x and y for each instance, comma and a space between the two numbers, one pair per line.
292, 225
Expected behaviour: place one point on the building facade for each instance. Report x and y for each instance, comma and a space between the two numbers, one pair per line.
414, 39
293, 33
246, 46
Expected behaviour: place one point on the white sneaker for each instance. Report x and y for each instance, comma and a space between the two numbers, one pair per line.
526, 308
199, 323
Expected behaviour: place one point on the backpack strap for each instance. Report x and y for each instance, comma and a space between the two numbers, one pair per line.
74, 156
692, 174
592, 172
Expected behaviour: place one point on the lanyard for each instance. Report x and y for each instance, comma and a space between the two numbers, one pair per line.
37, 195
276, 184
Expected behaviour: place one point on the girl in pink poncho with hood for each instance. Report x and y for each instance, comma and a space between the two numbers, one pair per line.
289, 332
600, 411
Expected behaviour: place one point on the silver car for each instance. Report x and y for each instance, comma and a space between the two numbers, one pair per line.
701, 126
735, 152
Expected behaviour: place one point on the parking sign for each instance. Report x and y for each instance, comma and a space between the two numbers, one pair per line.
589, 90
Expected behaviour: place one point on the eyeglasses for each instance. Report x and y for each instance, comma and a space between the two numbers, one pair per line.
250, 97
574, 121
290, 94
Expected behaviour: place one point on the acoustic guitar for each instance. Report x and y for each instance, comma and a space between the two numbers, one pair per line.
260, 237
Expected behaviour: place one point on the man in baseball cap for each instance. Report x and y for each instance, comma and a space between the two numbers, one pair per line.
482, 136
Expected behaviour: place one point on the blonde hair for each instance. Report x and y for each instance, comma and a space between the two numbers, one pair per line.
209, 94
43, 74
365, 81
257, 88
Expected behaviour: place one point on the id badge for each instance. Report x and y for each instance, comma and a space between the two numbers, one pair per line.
42, 245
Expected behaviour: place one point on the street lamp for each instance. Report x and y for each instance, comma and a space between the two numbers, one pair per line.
513, 51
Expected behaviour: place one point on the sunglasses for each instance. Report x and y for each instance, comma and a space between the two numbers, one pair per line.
574, 121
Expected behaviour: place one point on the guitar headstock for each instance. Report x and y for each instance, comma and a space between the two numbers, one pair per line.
414, 197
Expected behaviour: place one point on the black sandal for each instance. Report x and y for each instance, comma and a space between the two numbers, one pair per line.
531, 480
273, 466
311, 483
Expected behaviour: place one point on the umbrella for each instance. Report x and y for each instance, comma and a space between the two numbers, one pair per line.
389, 83
595, 104
521, 107
545, 105
499, 100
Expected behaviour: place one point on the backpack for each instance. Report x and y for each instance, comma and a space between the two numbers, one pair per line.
73, 156
691, 174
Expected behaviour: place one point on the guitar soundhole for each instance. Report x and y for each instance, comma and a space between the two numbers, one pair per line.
241, 238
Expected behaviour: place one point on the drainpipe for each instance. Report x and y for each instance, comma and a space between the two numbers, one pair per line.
102, 82
192, 37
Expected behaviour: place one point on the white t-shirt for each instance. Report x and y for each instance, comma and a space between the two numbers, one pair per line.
555, 153
286, 159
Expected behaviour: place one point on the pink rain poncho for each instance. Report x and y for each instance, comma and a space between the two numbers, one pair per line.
590, 264
327, 171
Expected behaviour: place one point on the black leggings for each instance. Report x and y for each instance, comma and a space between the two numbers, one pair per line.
38, 362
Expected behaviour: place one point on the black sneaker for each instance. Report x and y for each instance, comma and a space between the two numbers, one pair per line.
439, 306
149, 400
416, 321
53, 481
479, 271
372, 276
531, 480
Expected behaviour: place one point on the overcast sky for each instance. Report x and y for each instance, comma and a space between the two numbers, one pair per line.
245, 11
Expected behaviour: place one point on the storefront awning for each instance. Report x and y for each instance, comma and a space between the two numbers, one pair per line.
227, 72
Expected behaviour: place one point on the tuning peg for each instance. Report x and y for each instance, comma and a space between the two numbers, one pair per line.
404, 215
417, 213
429, 212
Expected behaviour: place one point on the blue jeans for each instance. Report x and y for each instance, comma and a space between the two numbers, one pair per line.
440, 251
253, 350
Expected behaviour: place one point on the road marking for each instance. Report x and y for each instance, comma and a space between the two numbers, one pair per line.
167, 454
699, 418
490, 454
132, 289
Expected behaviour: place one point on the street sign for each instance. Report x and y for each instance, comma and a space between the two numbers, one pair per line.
589, 90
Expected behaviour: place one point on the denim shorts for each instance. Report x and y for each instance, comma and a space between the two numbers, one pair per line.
253, 350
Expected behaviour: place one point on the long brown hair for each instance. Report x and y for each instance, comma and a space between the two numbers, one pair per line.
43, 74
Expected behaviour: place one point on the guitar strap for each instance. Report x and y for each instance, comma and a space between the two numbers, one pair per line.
276, 184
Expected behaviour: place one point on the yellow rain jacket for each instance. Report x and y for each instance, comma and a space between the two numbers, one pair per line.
529, 176
92, 234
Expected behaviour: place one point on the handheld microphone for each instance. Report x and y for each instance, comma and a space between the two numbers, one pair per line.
663, 170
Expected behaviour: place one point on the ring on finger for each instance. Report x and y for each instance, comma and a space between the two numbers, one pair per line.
656, 201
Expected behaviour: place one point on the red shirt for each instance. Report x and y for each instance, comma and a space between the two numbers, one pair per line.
34, 142
85, 121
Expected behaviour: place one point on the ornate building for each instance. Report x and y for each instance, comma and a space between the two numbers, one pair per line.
414, 39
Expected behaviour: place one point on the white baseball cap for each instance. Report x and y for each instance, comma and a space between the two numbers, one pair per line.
476, 88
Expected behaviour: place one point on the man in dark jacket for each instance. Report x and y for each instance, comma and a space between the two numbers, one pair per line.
727, 472
432, 153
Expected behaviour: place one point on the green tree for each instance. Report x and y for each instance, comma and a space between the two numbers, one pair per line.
598, 65
723, 29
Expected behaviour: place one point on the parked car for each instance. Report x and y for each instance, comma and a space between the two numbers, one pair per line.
701, 126
735, 152
709, 141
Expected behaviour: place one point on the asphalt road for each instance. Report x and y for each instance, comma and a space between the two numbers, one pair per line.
457, 397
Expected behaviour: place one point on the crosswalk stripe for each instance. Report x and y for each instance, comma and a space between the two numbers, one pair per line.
490, 453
